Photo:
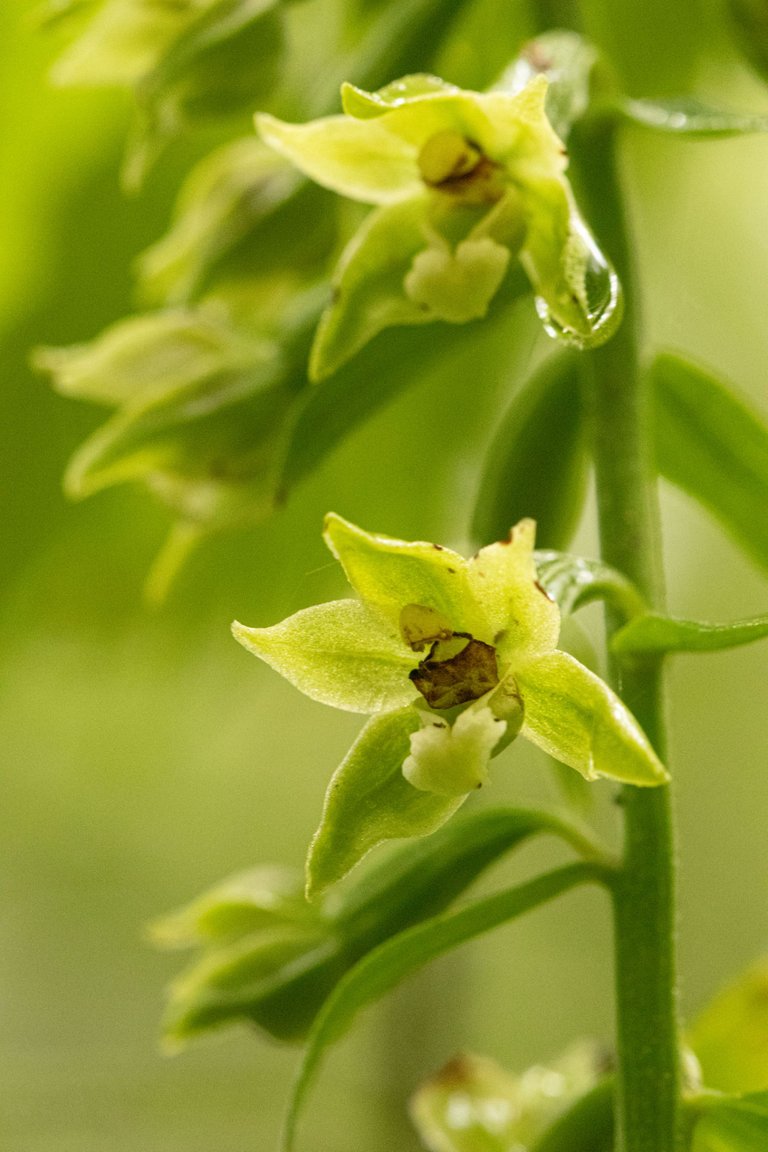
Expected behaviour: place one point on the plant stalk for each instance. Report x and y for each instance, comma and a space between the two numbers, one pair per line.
648, 1073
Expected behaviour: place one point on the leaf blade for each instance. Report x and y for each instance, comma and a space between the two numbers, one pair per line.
406, 953
714, 446
653, 632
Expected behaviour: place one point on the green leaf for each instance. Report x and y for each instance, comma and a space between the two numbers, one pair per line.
575, 717
735, 1124
421, 879
368, 285
390, 963
247, 902
341, 653
536, 465
715, 447
750, 19
369, 801
474, 1105
657, 633
568, 61
691, 118
730, 1036
573, 582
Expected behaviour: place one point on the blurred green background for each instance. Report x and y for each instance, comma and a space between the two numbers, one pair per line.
147, 755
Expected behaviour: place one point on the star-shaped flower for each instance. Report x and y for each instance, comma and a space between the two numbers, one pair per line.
463, 181
452, 658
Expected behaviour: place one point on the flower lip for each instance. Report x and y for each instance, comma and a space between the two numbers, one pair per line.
456, 671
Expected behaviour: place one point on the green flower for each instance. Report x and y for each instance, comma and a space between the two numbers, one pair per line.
463, 181
452, 658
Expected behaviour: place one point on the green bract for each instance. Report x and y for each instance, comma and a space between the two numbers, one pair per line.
452, 658
462, 181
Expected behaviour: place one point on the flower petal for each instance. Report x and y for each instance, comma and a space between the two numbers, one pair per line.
575, 717
369, 801
525, 621
359, 159
340, 653
368, 285
391, 574
452, 759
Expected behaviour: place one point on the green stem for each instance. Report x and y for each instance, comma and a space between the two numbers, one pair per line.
648, 1076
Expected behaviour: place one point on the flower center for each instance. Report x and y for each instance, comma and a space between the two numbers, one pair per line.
457, 669
451, 163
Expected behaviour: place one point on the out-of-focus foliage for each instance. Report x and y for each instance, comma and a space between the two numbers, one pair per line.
144, 758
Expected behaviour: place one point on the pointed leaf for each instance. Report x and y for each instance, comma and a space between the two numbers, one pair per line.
391, 574
340, 653
390, 963
536, 465
575, 717
715, 447
368, 285
733, 1124
730, 1036
369, 801
692, 118
656, 633
573, 582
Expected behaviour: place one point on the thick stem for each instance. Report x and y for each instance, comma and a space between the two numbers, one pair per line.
648, 1077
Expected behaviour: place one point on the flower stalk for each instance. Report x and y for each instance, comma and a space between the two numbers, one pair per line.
648, 1080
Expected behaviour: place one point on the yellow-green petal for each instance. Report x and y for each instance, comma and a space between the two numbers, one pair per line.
575, 717
524, 620
340, 653
356, 158
369, 801
459, 285
390, 573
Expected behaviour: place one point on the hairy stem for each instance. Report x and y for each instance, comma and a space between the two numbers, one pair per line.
648, 1077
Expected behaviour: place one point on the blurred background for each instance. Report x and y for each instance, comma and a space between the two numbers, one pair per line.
145, 755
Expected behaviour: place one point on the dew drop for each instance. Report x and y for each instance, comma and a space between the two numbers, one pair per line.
602, 300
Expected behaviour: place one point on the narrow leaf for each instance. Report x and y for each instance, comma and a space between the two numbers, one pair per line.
398, 958
536, 465
369, 801
691, 118
656, 633
423, 878
714, 446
